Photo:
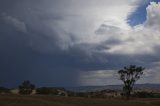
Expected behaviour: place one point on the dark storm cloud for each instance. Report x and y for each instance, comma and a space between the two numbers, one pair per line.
23, 53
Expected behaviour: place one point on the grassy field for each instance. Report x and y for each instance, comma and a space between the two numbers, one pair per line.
39, 100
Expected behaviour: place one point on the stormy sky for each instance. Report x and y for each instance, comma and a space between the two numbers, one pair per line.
78, 42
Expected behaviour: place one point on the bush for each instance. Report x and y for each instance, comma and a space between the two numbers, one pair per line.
143, 94
26, 88
4, 90
46, 91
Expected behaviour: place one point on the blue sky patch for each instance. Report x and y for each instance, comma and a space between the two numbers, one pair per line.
139, 16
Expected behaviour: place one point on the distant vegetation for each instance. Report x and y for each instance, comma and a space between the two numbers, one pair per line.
129, 75
51, 91
144, 94
46, 91
53, 96
26, 88
4, 90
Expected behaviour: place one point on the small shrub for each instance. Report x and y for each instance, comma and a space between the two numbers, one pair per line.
143, 94
47, 91
26, 88
4, 90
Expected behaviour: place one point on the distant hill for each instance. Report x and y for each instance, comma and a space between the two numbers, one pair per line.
113, 87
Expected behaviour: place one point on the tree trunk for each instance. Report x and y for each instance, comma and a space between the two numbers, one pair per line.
128, 94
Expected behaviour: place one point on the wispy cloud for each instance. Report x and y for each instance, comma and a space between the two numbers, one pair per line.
15, 22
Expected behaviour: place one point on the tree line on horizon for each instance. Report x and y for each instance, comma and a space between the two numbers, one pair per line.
128, 75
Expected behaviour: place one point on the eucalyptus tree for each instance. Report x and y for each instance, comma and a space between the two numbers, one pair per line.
129, 75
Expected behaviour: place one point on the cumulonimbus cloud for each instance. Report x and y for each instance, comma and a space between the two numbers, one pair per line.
139, 39
91, 36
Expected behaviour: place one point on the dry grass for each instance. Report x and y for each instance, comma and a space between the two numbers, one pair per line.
39, 100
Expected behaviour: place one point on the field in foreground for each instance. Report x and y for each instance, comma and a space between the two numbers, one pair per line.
38, 100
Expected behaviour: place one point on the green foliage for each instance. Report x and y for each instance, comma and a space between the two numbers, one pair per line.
144, 94
70, 93
46, 91
26, 88
129, 75
51, 91
4, 90
81, 94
